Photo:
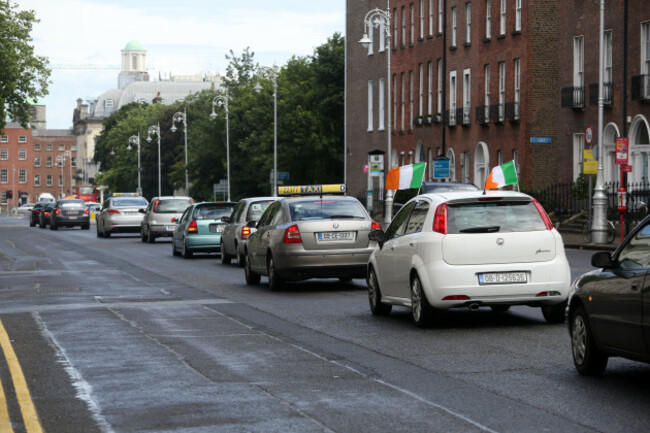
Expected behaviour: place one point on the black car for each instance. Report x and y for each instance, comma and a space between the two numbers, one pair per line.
69, 213
608, 307
34, 215
45, 214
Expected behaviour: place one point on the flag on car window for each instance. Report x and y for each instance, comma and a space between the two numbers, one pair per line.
502, 175
406, 176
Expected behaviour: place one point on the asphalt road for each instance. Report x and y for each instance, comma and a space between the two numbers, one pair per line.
115, 335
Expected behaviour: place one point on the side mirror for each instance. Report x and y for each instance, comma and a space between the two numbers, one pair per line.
602, 259
225, 219
378, 236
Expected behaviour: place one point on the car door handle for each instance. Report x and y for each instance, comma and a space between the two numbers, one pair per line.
635, 287
411, 243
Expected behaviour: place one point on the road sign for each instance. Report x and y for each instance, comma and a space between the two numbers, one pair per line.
626, 168
589, 163
441, 168
589, 135
622, 146
283, 175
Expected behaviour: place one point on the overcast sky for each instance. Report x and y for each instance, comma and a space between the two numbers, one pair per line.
181, 37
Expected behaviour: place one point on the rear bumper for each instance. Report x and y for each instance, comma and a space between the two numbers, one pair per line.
203, 243
303, 265
160, 230
66, 221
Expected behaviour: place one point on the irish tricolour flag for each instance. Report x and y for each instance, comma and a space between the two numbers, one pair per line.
502, 175
406, 176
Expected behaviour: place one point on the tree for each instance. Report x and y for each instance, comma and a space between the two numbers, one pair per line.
23, 75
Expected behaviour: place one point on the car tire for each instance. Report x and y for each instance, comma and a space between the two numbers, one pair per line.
186, 253
588, 360
99, 232
554, 313
500, 308
241, 260
53, 226
377, 308
251, 276
143, 238
150, 237
85, 227
275, 281
174, 251
423, 313
106, 233
31, 223
225, 257
41, 225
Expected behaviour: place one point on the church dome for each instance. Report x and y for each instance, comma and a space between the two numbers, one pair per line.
134, 46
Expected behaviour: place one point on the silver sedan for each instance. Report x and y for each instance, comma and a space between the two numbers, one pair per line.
120, 214
310, 237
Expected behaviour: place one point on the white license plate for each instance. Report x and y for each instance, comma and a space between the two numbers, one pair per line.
335, 236
503, 278
171, 228
73, 217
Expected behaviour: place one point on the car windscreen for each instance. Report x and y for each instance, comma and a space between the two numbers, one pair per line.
134, 202
493, 216
256, 209
317, 209
172, 205
212, 212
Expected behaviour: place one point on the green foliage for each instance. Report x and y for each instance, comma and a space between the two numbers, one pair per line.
23, 75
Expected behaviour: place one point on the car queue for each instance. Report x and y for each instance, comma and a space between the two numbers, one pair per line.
445, 249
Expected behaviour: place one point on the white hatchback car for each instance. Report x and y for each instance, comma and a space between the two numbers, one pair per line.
469, 249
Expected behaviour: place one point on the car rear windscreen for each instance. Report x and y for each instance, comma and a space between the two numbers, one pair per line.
135, 202
73, 204
306, 210
493, 216
212, 212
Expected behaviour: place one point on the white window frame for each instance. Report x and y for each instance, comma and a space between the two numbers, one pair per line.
37, 180
395, 27
440, 72
411, 98
421, 91
22, 176
382, 35
518, 15
4, 175
517, 82
454, 25
370, 106
430, 87
502, 91
465, 158
422, 19
22, 139
4, 154
502, 18
49, 161
412, 28
382, 107
645, 48
61, 147
452, 98
403, 88
49, 180
486, 92
49, 147
37, 161
488, 19
431, 18
441, 9
371, 36
394, 116
468, 23
500, 157
37, 147
467, 95
608, 77
22, 154
4, 139
578, 61
403, 25
578, 148
515, 158
61, 180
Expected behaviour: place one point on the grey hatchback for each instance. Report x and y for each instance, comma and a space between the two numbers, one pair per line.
157, 221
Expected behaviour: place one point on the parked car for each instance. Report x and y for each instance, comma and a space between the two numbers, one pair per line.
45, 214
70, 213
246, 214
34, 215
120, 214
199, 229
310, 237
157, 220
25, 208
608, 307
469, 250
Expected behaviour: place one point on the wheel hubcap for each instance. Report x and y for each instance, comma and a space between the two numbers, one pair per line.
579, 339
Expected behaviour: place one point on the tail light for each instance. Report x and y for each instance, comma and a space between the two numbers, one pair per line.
440, 219
375, 226
544, 215
114, 212
192, 227
292, 235
456, 298
58, 211
155, 206
37, 211
245, 232
87, 211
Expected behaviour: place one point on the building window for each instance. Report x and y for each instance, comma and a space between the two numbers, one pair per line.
37, 180
430, 88
454, 26
48, 162
518, 15
381, 104
49, 147
371, 36
403, 25
73, 161
37, 147
439, 86
608, 78
452, 98
502, 90
4, 154
22, 154
412, 12
578, 148
108, 103
422, 19
515, 158
394, 116
37, 161
382, 35
60, 180
645, 48
578, 71
441, 11
502, 18
430, 17
49, 180
4, 175
403, 108
370, 106
466, 163
411, 96
421, 91
73, 148
486, 103
517, 88
499, 157
22, 139
488, 19
61, 147
22, 176
468, 23
4, 139
467, 98
395, 27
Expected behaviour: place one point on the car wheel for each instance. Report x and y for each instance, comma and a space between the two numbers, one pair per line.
99, 232
143, 238
150, 237
251, 276
174, 251
554, 313
225, 257
241, 260
41, 225
31, 223
422, 312
586, 356
186, 253
106, 233
53, 226
275, 281
500, 308
374, 296
85, 227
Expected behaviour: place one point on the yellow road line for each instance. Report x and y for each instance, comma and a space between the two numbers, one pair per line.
5, 422
30, 418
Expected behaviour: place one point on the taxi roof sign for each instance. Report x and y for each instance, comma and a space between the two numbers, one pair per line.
338, 188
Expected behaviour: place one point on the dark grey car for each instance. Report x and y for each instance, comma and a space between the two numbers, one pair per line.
70, 213
236, 233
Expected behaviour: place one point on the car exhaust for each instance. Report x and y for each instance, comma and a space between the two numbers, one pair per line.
474, 306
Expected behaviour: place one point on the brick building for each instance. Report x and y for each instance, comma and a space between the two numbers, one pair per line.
626, 85
475, 81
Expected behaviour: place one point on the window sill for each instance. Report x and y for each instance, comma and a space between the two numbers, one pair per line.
516, 32
485, 40
453, 48
430, 36
420, 39
467, 44
503, 36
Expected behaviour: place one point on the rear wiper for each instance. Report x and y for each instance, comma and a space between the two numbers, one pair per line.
487, 229
336, 217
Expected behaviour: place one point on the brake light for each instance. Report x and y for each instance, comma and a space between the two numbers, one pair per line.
37, 211
544, 215
245, 232
86, 211
375, 226
192, 227
292, 235
440, 219
155, 206
58, 211
114, 212
456, 298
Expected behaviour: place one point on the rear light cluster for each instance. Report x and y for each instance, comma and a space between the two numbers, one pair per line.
87, 211
192, 227
114, 212
544, 294
155, 206
58, 211
375, 226
245, 232
292, 235
456, 298
440, 219
544, 215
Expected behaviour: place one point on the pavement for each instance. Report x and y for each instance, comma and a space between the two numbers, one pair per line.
574, 241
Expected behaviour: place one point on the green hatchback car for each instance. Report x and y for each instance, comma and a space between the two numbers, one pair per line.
199, 229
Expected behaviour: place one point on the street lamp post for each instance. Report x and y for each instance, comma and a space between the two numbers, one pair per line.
223, 101
135, 139
374, 18
272, 73
155, 130
181, 116
62, 164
